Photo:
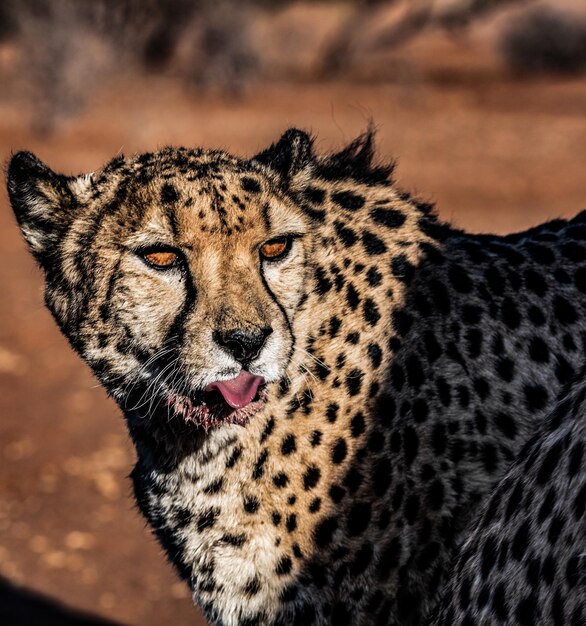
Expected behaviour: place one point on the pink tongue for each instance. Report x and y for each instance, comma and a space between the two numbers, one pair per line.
239, 391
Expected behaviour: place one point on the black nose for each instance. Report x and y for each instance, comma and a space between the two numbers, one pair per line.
243, 345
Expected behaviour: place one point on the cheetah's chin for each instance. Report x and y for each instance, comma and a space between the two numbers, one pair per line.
211, 410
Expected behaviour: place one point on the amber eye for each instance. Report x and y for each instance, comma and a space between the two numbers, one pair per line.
275, 249
161, 259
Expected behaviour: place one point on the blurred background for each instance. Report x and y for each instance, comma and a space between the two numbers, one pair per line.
483, 102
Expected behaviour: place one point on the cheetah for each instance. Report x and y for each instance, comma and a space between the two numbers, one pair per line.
322, 380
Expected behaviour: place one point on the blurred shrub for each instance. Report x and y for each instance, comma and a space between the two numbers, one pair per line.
546, 40
66, 47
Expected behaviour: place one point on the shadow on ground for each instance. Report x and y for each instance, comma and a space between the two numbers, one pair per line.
21, 607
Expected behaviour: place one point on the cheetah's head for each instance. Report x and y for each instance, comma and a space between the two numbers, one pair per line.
175, 274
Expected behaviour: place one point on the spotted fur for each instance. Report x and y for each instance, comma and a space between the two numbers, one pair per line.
524, 562
408, 365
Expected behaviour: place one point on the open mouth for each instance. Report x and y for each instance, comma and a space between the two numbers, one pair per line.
232, 401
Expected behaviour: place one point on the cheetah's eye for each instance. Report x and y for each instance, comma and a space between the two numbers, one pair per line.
161, 258
275, 249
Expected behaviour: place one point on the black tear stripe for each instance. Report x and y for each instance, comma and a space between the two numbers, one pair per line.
287, 321
105, 306
176, 333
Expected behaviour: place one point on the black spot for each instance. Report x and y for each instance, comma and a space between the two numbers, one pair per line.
251, 504
183, 517
444, 391
341, 614
494, 280
291, 522
354, 381
372, 244
233, 459
506, 424
420, 410
362, 559
337, 493
250, 184
391, 218
510, 313
335, 324
397, 376
374, 277
410, 444
573, 251
339, 451
381, 476
314, 195
207, 519
214, 487
259, 465
359, 518
169, 194
474, 340
353, 338
564, 311
414, 370
348, 200
371, 312
549, 464
575, 462
325, 530
236, 541
520, 541
284, 566
323, 283
288, 445
438, 438
541, 254
402, 268
411, 509
332, 412
252, 587
316, 436
357, 425
499, 603
535, 282
526, 607
435, 495
280, 480
346, 235
352, 297
489, 554
402, 322
459, 278
441, 296
505, 368
538, 350
375, 354
471, 314
535, 397
311, 477
536, 316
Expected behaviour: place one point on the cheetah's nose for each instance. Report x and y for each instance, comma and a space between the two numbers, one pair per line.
243, 345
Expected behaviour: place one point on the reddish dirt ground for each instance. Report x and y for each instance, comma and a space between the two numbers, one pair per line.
494, 154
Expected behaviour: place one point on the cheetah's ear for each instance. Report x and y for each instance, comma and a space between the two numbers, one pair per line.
41, 200
289, 156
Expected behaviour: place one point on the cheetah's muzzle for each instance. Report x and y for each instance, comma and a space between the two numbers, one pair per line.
232, 401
